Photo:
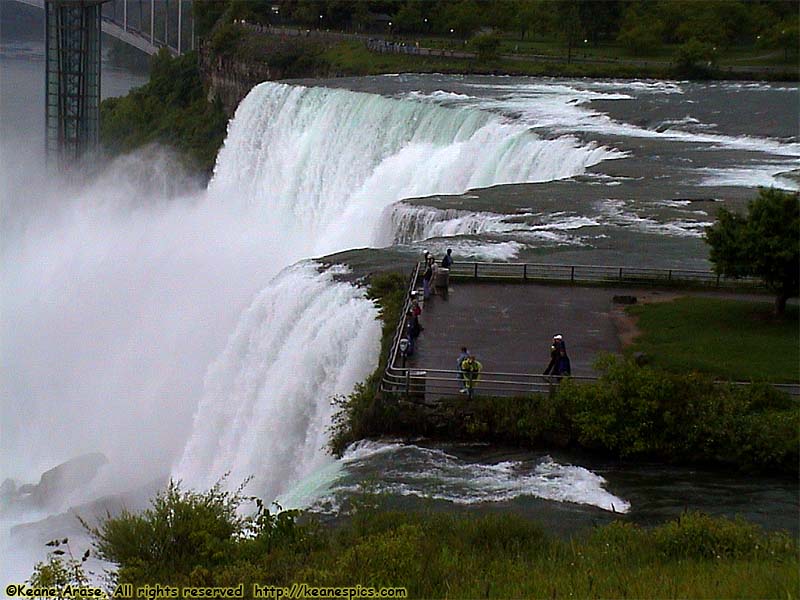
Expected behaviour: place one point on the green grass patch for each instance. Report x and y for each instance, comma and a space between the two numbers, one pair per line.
729, 339
193, 539
353, 58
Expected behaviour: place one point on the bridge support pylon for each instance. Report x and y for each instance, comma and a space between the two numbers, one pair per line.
72, 80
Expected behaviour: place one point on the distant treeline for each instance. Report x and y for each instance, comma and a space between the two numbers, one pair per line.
639, 25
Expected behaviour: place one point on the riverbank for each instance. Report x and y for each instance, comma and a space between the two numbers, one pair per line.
192, 539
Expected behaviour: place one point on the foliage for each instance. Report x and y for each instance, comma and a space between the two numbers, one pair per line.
459, 555
62, 569
225, 39
206, 14
463, 18
634, 412
695, 60
185, 534
765, 243
784, 35
361, 413
640, 33
640, 411
486, 46
170, 109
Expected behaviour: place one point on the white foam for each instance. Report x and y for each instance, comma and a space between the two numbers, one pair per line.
405, 223
615, 212
758, 176
435, 474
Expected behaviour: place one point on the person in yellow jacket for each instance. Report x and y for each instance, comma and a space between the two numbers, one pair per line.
471, 371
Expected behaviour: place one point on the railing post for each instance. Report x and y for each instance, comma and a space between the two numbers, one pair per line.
717, 279
408, 382
572, 274
476, 271
620, 273
525, 271
669, 275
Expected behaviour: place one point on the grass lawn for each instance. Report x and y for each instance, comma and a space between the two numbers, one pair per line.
730, 339
353, 58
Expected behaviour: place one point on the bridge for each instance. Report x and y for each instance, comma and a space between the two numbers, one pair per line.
147, 25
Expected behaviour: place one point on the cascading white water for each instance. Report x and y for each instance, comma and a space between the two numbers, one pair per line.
266, 411
319, 161
318, 166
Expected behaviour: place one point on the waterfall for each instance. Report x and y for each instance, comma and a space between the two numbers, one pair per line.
154, 319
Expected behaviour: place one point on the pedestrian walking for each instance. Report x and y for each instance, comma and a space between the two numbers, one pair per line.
559, 365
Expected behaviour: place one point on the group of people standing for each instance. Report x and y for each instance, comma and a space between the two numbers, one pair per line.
413, 327
429, 272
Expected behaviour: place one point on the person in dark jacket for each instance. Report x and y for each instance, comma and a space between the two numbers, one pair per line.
559, 361
447, 261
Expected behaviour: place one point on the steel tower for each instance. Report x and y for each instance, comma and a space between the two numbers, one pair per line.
72, 80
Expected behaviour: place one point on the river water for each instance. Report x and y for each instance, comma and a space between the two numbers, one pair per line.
190, 333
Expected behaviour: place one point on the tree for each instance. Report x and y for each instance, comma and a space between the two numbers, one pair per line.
695, 60
765, 243
784, 35
409, 19
463, 18
486, 45
532, 15
640, 32
568, 21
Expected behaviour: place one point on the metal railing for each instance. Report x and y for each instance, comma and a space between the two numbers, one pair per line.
598, 274
417, 382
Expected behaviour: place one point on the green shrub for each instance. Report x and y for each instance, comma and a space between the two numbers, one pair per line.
185, 534
171, 109
697, 535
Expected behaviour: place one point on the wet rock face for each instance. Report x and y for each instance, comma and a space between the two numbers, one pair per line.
54, 484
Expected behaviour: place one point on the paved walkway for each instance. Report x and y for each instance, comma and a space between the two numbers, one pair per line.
509, 327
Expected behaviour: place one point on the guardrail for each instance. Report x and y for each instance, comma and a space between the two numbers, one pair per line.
417, 382
598, 274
